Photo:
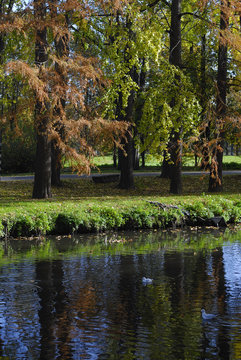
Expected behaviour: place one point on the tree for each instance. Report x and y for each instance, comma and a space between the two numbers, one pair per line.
42, 176
57, 103
175, 58
61, 43
170, 109
5, 10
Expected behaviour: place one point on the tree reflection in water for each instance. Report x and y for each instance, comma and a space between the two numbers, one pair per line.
84, 297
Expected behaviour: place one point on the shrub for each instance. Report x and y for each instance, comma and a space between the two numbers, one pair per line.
22, 225
100, 219
66, 223
198, 210
44, 222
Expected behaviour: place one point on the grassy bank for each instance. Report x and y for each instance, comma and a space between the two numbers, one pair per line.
83, 206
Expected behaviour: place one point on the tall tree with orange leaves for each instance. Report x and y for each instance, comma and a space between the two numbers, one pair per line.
58, 85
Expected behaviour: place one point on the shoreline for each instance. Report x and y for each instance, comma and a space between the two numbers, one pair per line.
79, 219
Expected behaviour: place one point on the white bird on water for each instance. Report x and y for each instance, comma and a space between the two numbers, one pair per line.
146, 281
206, 316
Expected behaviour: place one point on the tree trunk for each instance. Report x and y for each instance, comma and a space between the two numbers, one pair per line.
136, 158
126, 163
175, 59
55, 164
143, 164
216, 167
62, 52
203, 103
114, 156
175, 166
126, 155
42, 176
166, 169
136, 153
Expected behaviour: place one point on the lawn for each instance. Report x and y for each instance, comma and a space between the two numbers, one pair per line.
84, 191
152, 163
84, 206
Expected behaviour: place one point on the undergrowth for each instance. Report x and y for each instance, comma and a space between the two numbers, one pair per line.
101, 218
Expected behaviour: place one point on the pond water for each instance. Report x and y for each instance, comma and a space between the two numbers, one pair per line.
84, 298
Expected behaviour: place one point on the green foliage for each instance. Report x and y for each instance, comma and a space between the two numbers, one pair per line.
209, 207
29, 223
159, 117
66, 223
18, 149
198, 210
1, 230
139, 217
22, 225
102, 218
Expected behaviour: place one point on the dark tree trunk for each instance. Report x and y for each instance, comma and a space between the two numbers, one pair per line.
175, 166
126, 163
136, 153
203, 102
166, 169
143, 164
136, 159
42, 176
175, 58
114, 156
140, 80
62, 52
55, 164
126, 155
216, 167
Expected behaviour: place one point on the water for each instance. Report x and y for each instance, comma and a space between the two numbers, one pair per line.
83, 298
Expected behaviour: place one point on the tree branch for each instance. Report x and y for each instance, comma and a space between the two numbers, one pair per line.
154, 4
197, 16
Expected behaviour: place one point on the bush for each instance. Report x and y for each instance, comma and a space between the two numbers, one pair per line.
100, 219
97, 218
22, 225
66, 223
136, 218
198, 210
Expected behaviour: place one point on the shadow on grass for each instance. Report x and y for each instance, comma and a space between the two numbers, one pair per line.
145, 187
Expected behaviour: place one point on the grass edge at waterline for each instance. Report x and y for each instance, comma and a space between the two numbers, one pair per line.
79, 218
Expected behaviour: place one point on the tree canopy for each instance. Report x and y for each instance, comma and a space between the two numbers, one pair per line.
147, 75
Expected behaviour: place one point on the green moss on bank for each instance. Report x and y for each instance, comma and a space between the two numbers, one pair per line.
78, 219
82, 206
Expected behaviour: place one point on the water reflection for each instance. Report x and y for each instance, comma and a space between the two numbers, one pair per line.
83, 298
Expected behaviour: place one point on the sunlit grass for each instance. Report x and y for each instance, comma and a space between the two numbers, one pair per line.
153, 163
84, 192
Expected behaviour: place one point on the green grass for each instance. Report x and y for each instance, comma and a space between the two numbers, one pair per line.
18, 193
152, 163
82, 204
